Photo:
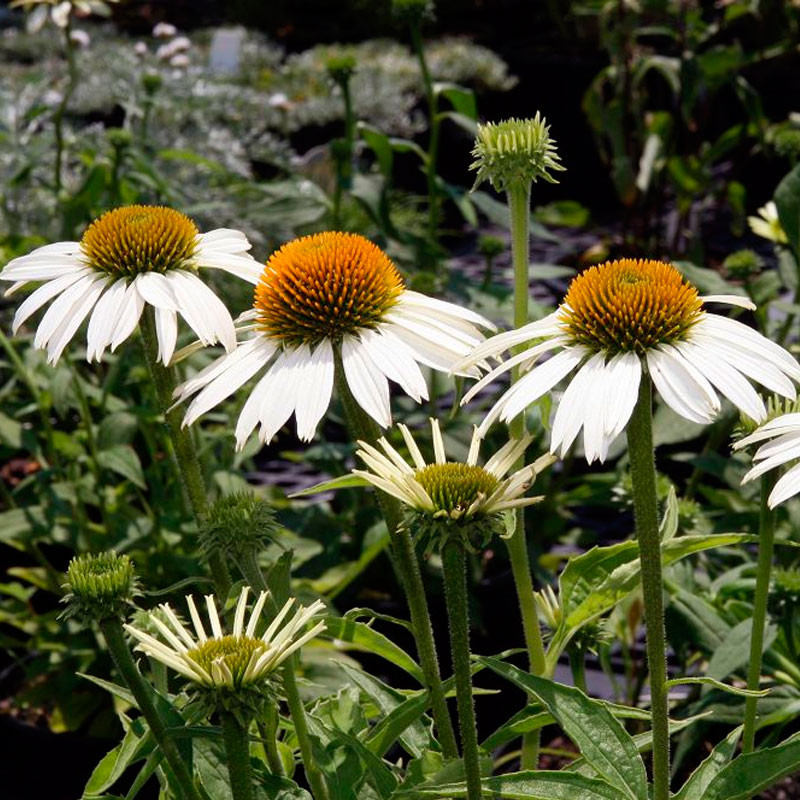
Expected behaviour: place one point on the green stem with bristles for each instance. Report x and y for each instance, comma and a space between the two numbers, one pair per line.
455, 586
142, 694
766, 546
407, 565
237, 750
519, 211
645, 506
186, 459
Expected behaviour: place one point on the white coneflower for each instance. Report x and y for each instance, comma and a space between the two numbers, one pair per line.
128, 257
452, 489
781, 437
319, 296
616, 320
768, 225
228, 661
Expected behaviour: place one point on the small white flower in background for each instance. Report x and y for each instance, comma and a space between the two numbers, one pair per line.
453, 489
58, 11
164, 30
279, 100
616, 320
781, 446
141, 49
178, 45
181, 60
318, 296
80, 38
767, 225
217, 660
128, 257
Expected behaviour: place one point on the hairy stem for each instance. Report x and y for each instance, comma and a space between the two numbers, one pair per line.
407, 565
645, 504
237, 750
519, 211
766, 545
115, 639
455, 585
186, 458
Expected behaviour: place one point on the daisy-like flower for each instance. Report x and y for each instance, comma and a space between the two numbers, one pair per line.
781, 446
768, 225
618, 319
235, 661
324, 297
452, 490
128, 257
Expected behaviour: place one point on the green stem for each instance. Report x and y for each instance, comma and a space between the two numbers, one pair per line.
455, 585
252, 573
519, 211
185, 456
115, 639
766, 545
645, 504
269, 733
407, 565
577, 665
433, 140
58, 118
237, 750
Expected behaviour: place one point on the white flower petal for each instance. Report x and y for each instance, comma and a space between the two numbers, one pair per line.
786, 487
104, 319
166, 333
395, 361
60, 309
132, 305
36, 299
367, 383
681, 386
155, 289
730, 299
315, 389
74, 318
444, 308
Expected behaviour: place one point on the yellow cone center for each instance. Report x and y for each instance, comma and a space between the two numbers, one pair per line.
455, 487
133, 239
325, 286
235, 651
630, 305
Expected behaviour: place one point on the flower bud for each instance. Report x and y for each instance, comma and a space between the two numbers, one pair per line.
99, 586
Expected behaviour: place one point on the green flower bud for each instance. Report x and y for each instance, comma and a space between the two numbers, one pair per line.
238, 525
340, 66
777, 406
743, 263
119, 138
152, 82
491, 246
514, 152
787, 143
99, 586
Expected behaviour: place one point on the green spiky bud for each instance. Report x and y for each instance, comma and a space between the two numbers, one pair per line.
238, 525
491, 246
340, 66
413, 12
743, 263
119, 138
99, 586
152, 82
515, 152
777, 406
786, 142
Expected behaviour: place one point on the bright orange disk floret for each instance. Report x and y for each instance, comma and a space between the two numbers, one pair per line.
325, 286
630, 304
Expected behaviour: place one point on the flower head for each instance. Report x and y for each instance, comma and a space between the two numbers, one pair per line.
99, 586
768, 225
779, 446
321, 298
618, 319
452, 493
237, 667
128, 257
515, 152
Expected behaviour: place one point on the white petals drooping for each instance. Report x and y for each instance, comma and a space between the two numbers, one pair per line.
114, 304
781, 446
716, 356
183, 651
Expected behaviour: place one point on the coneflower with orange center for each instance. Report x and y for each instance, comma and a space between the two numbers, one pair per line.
128, 257
325, 297
617, 320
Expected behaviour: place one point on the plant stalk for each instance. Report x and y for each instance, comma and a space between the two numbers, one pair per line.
519, 211
115, 639
407, 566
185, 455
645, 504
766, 546
237, 750
455, 585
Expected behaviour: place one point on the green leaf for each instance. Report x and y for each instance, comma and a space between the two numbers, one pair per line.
342, 482
115, 689
379, 143
10, 431
734, 652
725, 687
787, 199
696, 784
132, 747
602, 740
461, 98
211, 767
748, 774
362, 637
116, 429
122, 459
534, 785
